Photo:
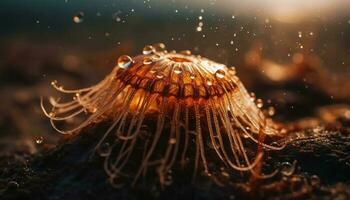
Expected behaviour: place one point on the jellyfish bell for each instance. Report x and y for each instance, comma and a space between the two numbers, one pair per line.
168, 109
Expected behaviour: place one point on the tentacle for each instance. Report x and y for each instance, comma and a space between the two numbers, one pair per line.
159, 130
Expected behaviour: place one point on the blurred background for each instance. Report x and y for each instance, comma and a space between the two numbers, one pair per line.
294, 54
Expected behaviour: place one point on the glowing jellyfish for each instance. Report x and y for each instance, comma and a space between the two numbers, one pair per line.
164, 109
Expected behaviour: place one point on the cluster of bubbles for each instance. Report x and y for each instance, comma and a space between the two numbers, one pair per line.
270, 110
200, 24
155, 52
288, 171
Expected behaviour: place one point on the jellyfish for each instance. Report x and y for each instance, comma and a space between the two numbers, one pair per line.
165, 109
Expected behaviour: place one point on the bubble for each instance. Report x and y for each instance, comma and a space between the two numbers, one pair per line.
283, 131
116, 16
160, 75
104, 149
78, 18
39, 140
199, 29
168, 179
209, 83
192, 76
147, 61
300, 34
53, 83
156, 57
149, 49
159, 46
12, 185
315, 180
271, 111
259, 103
287, 168
124, 61
172, 141
225, 174
220, 73
118, 19
177, 70
252, 96
232, 71
186, 52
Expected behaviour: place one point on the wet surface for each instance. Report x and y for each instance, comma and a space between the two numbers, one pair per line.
314, 164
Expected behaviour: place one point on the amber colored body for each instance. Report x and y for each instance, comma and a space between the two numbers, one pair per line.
188, 101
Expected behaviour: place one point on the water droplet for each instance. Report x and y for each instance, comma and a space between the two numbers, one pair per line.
283, 131
159, 46
168, 179
93, 110
259, 103
147, 61
315, 180
287, 168
232, 71
209, 83
220, 73
104, 149
39, 140
300, 34
160, 75
226, 174
78, 18
53, 83
185, 52
118, 19
192, 76
156, 57
252, 96
12, 185
177, 70
275, 144
172, 141
124, 61
271, 111
149, 49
